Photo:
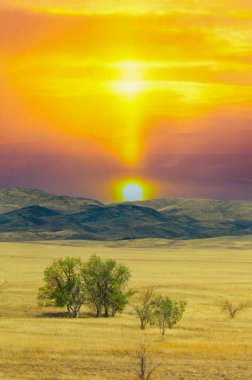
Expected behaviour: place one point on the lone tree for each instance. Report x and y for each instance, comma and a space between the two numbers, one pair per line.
144, 309
104, 282
167, 312
232, 310
63, 287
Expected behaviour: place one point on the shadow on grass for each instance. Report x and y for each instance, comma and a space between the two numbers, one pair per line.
53, 315
64, 315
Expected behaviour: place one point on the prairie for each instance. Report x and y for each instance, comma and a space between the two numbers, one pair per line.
41, 343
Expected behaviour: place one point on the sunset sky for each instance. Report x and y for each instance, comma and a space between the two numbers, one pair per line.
99, 94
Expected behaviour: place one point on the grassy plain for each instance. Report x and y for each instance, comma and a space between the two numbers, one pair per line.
36, 343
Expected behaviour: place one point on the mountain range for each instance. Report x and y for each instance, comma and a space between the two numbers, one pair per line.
29, 214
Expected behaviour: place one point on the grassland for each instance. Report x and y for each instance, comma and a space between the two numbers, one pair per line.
37, 343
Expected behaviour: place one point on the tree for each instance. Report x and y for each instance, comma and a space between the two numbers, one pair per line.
232, 309
63, 286
145, 368
104, 282
167, 312
144, 309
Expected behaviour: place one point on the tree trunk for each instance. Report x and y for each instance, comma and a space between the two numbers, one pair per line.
68, 312
142, 324
98, 313
106, 314
163, 331
76, 313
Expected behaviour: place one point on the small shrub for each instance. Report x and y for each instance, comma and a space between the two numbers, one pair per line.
232, 309
145, 367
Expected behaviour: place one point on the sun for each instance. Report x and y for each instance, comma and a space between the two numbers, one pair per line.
132, 192
132, 189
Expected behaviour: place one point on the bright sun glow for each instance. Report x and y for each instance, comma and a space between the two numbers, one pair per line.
128, 87
132, 189
130, 78
132, 192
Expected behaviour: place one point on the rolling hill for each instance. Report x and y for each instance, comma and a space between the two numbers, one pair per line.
15, 198
27, 214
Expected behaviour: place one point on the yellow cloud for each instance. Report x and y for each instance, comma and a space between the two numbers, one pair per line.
132, 6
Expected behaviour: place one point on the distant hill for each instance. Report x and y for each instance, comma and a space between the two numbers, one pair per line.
27, 214
15, 198
201, 209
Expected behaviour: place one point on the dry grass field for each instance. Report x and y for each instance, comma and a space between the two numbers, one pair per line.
38, 343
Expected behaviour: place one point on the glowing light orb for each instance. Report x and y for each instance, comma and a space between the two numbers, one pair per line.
132, 189
132, 192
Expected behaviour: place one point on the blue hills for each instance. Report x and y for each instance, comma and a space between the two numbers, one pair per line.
30, 214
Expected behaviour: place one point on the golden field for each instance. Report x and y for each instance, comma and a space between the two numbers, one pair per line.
38, 343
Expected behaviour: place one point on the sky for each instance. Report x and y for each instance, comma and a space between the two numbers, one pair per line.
100, 95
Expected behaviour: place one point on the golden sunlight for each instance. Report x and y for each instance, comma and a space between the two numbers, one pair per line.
128, 87
132, 189
129, 80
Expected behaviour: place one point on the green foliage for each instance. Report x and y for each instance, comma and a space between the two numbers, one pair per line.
118, 301
100, 283
167, 312
144, 309
63, 286
104, 282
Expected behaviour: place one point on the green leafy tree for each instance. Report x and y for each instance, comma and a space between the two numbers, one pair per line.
167, 312
104, 282
63, 287
144, 309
